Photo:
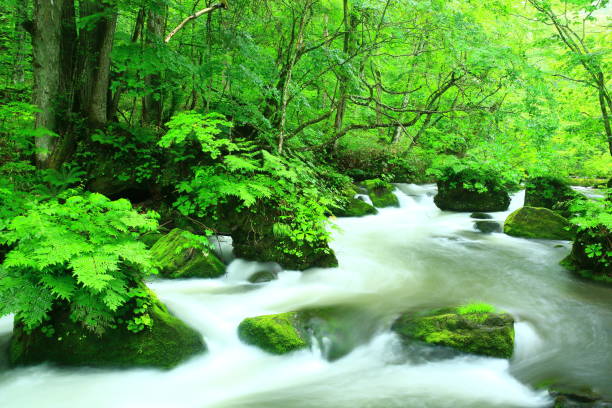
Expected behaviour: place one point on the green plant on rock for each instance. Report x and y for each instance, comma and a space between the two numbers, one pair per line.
238, 173
592, 250
475, 175
78, 251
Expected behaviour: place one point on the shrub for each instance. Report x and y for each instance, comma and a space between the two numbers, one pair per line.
79, 250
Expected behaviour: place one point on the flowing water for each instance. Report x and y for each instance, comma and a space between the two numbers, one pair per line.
409, 258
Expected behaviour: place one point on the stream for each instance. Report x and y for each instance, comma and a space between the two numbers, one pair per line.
410, 258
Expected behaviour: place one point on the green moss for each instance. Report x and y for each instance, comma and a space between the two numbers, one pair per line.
166, 344
476, 308
254, 239
150, 239
381, 193
276, 334
175, 261
541, 223
384, 200
378, 185
355, 208
479, 332
547, 192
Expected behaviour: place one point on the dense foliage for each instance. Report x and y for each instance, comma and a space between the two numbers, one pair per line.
80, 250
269, 110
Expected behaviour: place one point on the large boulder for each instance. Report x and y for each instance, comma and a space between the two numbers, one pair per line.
547, 192
355, 207
165, 344
471, 330
453, 195
540, 223
176, 258
381, 193
255, 238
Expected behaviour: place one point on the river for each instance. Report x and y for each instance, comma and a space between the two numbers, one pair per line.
409, 258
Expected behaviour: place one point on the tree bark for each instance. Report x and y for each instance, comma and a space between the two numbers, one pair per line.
96, 43
46, 43
153, 104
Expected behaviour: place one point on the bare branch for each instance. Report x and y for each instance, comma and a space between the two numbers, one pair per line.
222, 5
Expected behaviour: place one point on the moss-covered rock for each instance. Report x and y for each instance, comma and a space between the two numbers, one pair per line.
355, 208
597, 267
337, 330
478, 332
276, 334
540, 223
166, 344
547, 192
177, 260
381, 193
481, 216
254, 239
150, 239
454, 196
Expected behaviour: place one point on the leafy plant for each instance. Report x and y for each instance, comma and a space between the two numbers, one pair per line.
76, 250
476, 175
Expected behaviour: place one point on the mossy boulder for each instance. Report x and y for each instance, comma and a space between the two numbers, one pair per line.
277, 334
166, 344
176, 259
254, 239
337, 330
582, 261
151, 238
481, 216
355, 208
381, 193
539, 223
454, 196
477, 332
547, 192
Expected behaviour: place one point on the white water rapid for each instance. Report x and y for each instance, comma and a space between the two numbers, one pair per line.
409, 258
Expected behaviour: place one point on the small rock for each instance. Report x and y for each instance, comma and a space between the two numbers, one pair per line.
263, 276
488, 227
481, 216
576, 397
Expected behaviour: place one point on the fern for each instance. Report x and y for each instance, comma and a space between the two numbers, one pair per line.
77, 250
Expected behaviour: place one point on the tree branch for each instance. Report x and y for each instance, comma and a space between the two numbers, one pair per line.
222, 5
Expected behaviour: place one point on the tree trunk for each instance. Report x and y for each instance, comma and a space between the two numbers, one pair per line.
60, 94
96, 43
152, 104
47, 66
340, 111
